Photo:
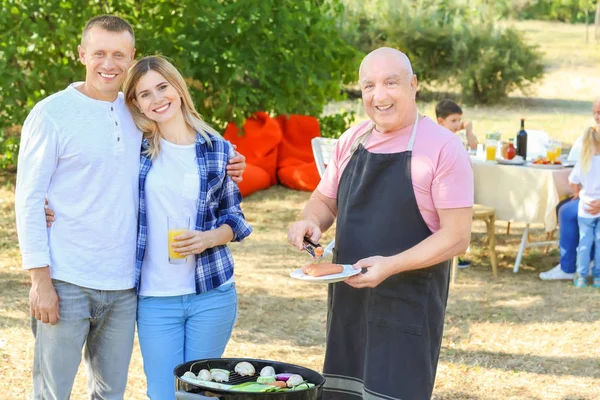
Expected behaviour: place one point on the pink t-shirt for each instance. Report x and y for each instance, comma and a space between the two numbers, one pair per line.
441, 171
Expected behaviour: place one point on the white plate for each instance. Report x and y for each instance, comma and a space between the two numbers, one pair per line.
546, 166
346, 273
510, 162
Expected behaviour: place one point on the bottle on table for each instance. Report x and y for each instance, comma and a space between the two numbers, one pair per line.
511, 152
522, 141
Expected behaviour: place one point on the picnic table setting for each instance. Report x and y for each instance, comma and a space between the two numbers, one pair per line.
524, 180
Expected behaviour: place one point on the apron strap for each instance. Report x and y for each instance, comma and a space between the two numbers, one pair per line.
362, 139
413, 134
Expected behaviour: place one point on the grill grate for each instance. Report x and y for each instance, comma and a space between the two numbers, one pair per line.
236, 379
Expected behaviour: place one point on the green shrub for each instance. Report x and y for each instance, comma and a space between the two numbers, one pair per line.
278, 56
449, 43
332, 126
499, 62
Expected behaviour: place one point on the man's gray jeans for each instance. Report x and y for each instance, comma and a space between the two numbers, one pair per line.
101, 320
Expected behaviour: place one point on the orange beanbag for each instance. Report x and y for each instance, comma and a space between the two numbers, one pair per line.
254, 179
296, 167
258, 143
300, 177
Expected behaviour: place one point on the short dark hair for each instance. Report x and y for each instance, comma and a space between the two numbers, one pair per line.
447, 107
109, 23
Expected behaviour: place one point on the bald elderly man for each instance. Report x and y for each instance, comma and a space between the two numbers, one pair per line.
401, 189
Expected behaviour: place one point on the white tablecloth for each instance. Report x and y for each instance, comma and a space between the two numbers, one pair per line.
521, 193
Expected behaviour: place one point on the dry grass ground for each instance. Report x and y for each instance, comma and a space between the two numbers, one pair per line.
513, 337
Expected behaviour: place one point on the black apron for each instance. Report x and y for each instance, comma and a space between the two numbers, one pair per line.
384, 342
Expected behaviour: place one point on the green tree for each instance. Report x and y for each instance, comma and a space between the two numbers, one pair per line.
279, 56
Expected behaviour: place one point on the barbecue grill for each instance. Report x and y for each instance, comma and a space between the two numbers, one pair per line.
189, 391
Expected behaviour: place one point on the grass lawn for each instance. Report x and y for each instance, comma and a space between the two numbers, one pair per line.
513, 337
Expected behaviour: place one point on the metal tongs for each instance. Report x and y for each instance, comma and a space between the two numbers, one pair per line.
316, 251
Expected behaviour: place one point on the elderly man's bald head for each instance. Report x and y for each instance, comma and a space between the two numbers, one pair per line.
389, 55
389, 89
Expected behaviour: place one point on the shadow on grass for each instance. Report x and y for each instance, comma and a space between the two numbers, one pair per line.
546, 365
14, 299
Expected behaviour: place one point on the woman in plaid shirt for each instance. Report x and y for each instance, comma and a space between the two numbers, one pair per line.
185, 311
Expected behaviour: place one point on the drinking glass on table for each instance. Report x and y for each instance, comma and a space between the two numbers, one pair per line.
176, 226
558, 147
491, 146
551, 151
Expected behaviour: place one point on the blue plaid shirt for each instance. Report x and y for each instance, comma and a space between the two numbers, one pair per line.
218, 203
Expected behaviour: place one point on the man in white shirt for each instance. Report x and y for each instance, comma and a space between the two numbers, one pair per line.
80, 148
567, 219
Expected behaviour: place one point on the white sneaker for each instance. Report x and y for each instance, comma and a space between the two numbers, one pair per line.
555, 274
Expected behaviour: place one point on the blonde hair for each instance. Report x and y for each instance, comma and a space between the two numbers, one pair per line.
172, 75
590, 147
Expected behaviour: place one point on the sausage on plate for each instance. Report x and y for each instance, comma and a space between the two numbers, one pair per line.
322, 269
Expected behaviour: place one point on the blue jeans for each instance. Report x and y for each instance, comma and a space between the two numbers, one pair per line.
589, 235
176, 329
569, 236
101, 320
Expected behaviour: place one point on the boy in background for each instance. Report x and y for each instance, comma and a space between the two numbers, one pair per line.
449, 115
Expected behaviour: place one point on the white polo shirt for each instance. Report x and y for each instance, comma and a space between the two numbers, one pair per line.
83, 154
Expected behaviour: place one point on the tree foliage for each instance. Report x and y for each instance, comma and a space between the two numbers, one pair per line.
239, 57
449, 43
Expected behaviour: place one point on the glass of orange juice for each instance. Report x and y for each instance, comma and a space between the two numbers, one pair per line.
551, 153
491, 147
176, 226
558, 147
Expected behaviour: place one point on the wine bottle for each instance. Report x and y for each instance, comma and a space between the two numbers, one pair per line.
522, 141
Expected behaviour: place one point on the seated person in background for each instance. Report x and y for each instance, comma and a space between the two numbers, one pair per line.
449, 115
585, 181
567, 220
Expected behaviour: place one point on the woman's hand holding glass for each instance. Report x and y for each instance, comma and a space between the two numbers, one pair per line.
195, 242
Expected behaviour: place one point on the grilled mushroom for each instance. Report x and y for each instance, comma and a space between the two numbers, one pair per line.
219, 375
245, 369
267, 371
204, 375
294, 380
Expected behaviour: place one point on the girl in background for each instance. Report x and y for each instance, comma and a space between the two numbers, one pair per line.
585, 181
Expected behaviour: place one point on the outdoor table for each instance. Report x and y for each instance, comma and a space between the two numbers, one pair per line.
521, 193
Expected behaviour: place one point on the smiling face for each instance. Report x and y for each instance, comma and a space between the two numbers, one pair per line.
107, 56
388, 89
156, 98
596, 111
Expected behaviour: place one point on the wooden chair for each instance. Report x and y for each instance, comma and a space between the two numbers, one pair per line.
488, 215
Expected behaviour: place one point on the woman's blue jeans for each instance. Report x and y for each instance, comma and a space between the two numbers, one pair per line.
176, 329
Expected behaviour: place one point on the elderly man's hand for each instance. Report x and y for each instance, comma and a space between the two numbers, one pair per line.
376, 270
593, 207
299, 229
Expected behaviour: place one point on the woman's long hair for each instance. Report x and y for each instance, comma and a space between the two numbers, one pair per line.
172, 75
590, 147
